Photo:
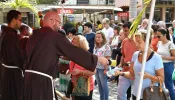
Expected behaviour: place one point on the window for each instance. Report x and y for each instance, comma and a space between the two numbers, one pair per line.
157, 14
111, 2
83, 2
165, 1
169, 14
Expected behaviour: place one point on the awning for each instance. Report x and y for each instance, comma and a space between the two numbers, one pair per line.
96, 7
118, 9
79, 9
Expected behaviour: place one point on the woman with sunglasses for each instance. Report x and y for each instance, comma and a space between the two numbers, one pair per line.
166, 49
152, 69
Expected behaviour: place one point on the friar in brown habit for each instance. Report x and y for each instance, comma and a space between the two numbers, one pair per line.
44, 48
12, 58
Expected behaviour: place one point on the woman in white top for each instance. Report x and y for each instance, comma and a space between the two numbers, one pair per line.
166, 49
115, 41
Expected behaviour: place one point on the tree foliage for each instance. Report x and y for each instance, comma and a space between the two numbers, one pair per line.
16, 4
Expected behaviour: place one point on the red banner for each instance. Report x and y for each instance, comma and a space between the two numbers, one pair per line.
123, 14
65, 11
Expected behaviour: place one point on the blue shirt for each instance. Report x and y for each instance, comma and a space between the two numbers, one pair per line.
155, 63
91, 39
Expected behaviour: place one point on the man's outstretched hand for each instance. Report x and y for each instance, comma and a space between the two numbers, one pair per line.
103, 61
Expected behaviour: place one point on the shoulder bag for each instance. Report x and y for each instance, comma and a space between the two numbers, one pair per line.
156, 92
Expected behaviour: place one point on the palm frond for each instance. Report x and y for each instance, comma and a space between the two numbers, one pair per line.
20, 3
8, 4
13, 5
26, 4
17, 2
135, 24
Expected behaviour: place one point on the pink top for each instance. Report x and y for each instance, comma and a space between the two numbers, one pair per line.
74, 78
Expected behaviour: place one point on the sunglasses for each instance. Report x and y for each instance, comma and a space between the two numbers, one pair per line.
19, 20
158, 36
56, 20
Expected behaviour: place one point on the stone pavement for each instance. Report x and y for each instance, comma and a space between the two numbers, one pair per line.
112, 92
96, 96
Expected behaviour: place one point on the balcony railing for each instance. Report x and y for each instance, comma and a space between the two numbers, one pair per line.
90, 2
169, 2
165, 0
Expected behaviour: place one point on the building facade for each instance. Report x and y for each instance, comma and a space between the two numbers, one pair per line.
84, 10
81, 10
164, 10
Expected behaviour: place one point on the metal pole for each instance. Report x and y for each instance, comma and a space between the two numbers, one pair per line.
62, 12
33, 19
113, 15
146, 49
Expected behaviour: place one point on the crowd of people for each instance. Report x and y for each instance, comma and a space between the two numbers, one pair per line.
30, 62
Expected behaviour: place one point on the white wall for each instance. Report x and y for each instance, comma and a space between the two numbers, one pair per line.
103, 2
1, 18
95, 2
78, 17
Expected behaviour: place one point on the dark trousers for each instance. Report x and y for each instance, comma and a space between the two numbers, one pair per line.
134, 97
84, 97
129, 93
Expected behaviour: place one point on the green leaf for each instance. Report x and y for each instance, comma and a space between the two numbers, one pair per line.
135, 24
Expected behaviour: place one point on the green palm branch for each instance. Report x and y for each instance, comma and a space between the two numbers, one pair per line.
16, 4
134, 26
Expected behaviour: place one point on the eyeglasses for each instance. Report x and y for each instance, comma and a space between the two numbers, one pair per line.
56, 20
125, 30
19, 19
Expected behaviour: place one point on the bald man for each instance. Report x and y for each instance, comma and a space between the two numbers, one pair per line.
43, 51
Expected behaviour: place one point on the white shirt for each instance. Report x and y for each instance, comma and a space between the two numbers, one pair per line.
102, 52
171, 37
115, 41
109, 33
164, 49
